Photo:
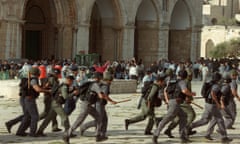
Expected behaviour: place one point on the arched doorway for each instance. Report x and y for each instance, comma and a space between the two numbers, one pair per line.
209, 47
103, 38
95, 31
146, 33
39, 33
180, 33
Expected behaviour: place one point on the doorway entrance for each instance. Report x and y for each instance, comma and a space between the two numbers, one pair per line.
33, 44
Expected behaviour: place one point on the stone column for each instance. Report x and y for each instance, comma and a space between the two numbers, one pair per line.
83, 38
64, 41
163, 41
128, 42
117, 51
13, 40
196, 43
67, 42
59, 46
74, 50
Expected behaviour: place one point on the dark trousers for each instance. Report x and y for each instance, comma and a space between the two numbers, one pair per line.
20, 117
102, 117
30, 117
47, 106
86, 108
173, 111
145, 113
56, 109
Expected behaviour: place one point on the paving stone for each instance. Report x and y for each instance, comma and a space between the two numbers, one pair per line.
9, 108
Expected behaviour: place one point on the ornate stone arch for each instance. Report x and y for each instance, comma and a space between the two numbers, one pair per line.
190, 8
57, 38
129, 11
180, 31
146, 36
104, 32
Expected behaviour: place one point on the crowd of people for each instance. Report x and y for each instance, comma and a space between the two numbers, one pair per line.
167, 81
122, 69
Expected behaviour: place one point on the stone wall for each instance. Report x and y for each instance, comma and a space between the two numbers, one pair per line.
179, 45
10, 88
69, 25
146, 43
123, 86
217, 34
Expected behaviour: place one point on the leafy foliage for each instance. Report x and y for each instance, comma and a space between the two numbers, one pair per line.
226, 49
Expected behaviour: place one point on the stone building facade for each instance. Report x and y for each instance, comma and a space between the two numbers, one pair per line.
116, 29
219, 18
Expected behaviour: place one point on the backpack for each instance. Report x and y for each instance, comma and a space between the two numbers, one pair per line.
226, 93
23, 86
85, 94
26, 90
156, 101
69, 103
146, 87
56, 94
206, 89
173, 89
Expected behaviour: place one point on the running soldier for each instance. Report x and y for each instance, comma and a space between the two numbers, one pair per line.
232, 104
148, 104
87, 108
212, 110
31, 115
59, 96
51, 82
186, 107
101, 108
175, 93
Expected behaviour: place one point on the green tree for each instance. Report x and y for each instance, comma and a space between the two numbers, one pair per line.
229, 48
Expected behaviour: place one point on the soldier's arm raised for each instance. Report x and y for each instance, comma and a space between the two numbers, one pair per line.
37, 88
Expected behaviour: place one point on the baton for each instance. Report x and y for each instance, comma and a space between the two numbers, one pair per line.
197, 105
124, 101
29, 80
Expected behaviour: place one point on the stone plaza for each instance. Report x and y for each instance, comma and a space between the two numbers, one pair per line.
10, 108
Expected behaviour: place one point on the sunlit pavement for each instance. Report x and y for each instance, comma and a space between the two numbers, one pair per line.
9, 108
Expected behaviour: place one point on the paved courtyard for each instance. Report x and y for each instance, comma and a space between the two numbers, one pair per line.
9, 108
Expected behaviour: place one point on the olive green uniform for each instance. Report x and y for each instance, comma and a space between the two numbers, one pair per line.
57, 109
147, 111
187, 108
47, 100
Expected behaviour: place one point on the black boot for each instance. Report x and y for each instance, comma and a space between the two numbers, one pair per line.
66, 139
101, 138
148, 133
154, 140
168, 133
126, 124
8, 126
